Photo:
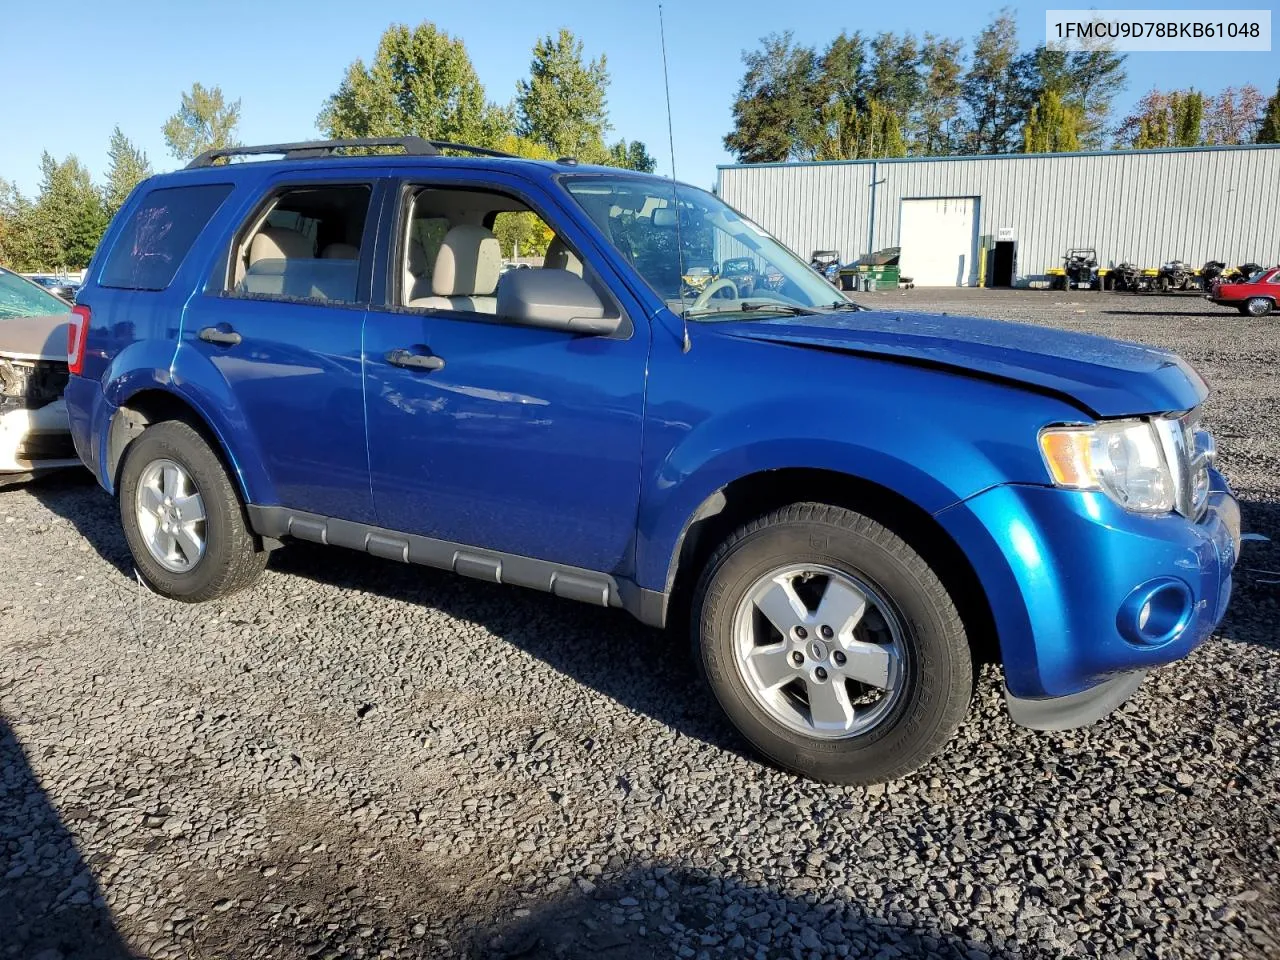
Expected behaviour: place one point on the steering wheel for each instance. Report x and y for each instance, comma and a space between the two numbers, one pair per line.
722, 283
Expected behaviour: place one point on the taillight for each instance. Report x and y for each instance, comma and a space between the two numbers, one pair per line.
77, 336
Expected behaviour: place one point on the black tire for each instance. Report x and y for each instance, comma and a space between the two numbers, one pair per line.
939, 676
1258, 306
232, 557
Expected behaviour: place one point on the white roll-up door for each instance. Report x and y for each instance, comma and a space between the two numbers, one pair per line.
939, 240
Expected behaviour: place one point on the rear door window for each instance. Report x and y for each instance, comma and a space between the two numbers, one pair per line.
159, 235
305, 244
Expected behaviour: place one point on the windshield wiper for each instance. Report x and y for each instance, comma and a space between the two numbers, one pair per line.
844, 305
781, 309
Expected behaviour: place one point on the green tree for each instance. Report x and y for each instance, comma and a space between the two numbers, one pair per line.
17, 236
1053, 125
842, 82
1087, 80
421, 83
894, 75
1160, 119
128, 167
779, 104
934, 133
564, 102
998, 89
205, 121
1269, 129
67, 219
633, 155
1188, 118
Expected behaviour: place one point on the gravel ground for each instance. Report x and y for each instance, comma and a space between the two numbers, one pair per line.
357, 759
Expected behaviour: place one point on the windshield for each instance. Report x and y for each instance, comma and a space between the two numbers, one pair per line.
21, 298
708, 262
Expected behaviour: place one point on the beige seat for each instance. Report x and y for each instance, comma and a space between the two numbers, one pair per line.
465, 274
279, 243
560, 257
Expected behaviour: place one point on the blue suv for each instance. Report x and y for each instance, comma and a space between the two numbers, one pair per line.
851, 509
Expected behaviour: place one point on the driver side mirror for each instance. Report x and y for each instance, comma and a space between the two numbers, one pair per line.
554, 299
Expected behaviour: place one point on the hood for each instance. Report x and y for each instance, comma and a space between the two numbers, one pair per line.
34, 338
1108, 378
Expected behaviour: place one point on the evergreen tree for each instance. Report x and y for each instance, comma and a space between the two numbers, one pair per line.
1269, 129
421, 83
1053, 126
564, 103
128, 167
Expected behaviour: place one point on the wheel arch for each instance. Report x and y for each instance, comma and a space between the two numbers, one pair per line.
753, 495
154, 404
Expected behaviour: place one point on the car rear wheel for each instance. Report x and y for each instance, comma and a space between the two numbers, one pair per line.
1258, 306
832, 645
183, 518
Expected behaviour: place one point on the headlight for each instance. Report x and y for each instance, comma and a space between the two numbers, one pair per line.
1125, 459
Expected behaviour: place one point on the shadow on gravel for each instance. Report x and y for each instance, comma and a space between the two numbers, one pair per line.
1169, 312
702, 914
648, 671
75, 496
50, 904
1254, 614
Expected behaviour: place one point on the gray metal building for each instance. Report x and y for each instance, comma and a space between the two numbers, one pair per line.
1142, 206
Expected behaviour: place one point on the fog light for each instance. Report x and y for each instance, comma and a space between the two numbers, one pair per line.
1156, 612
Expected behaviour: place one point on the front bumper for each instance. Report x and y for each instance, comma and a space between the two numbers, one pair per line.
1060, 569
32, 440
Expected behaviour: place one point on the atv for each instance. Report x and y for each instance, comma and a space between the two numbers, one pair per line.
1079, 269
1174, 275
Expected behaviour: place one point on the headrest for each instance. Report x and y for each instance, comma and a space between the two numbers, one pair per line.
664, 217
560, 257
468, 263
275, 243
340, 251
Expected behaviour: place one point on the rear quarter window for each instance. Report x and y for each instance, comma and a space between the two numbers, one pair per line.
159, 234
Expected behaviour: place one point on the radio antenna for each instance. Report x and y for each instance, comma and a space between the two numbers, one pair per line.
675, 194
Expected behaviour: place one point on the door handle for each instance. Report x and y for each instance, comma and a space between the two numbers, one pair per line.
414, 361
226, 338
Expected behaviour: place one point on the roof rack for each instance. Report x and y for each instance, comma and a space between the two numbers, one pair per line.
412, 146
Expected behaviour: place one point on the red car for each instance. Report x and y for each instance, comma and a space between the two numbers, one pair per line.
1255, 297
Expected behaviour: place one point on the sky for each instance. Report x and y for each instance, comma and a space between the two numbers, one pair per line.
87, 66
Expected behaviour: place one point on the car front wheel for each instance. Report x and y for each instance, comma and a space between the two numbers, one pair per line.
183, 518
832, 645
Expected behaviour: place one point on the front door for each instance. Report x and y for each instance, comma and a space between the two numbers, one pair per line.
285, 335
516, 439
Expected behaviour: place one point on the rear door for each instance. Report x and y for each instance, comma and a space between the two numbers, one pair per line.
525, 441
281, 322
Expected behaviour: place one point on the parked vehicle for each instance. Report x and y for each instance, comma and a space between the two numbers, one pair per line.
61, 287
696, 277
1130, 278
827, 263
1079, 270
33, 372
1215, 272
742, 271
1175, 275
850, 509
1255, 297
